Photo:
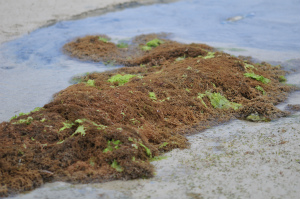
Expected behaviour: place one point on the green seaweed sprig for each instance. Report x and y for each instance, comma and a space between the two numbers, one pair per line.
121, 79
258, 77
219, 101
152, 44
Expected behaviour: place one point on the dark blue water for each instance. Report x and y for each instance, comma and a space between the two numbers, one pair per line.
33, 67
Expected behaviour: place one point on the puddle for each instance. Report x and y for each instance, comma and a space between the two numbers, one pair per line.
228, 161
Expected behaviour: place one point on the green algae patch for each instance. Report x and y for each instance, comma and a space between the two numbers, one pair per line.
148, 151
67, 125
21, 114
134, 121
116, 166
80, 129
257, 118
154, 43
36, 109
209, 55
282, 78
163, 145
99, 126
152, 96
157, 158
219, 101
200, 96
112, 145
105, 40
249, 66
258, 77
16, 116
122, 45
22, 121
60, 141
121, 79
146, 48
90, 82
259, 88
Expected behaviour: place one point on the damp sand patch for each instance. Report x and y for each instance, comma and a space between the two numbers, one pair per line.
112, 124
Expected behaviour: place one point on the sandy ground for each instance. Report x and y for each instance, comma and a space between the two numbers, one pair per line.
237, 160
23, 16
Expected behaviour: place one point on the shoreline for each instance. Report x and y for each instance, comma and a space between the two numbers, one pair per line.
20, 17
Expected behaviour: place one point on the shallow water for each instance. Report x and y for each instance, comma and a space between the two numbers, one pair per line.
33, 68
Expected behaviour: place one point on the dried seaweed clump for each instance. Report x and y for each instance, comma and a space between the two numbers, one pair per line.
112, 124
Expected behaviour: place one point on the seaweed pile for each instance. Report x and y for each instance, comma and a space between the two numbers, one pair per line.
111, 125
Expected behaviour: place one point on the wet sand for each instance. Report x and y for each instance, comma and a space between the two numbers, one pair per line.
20, 17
